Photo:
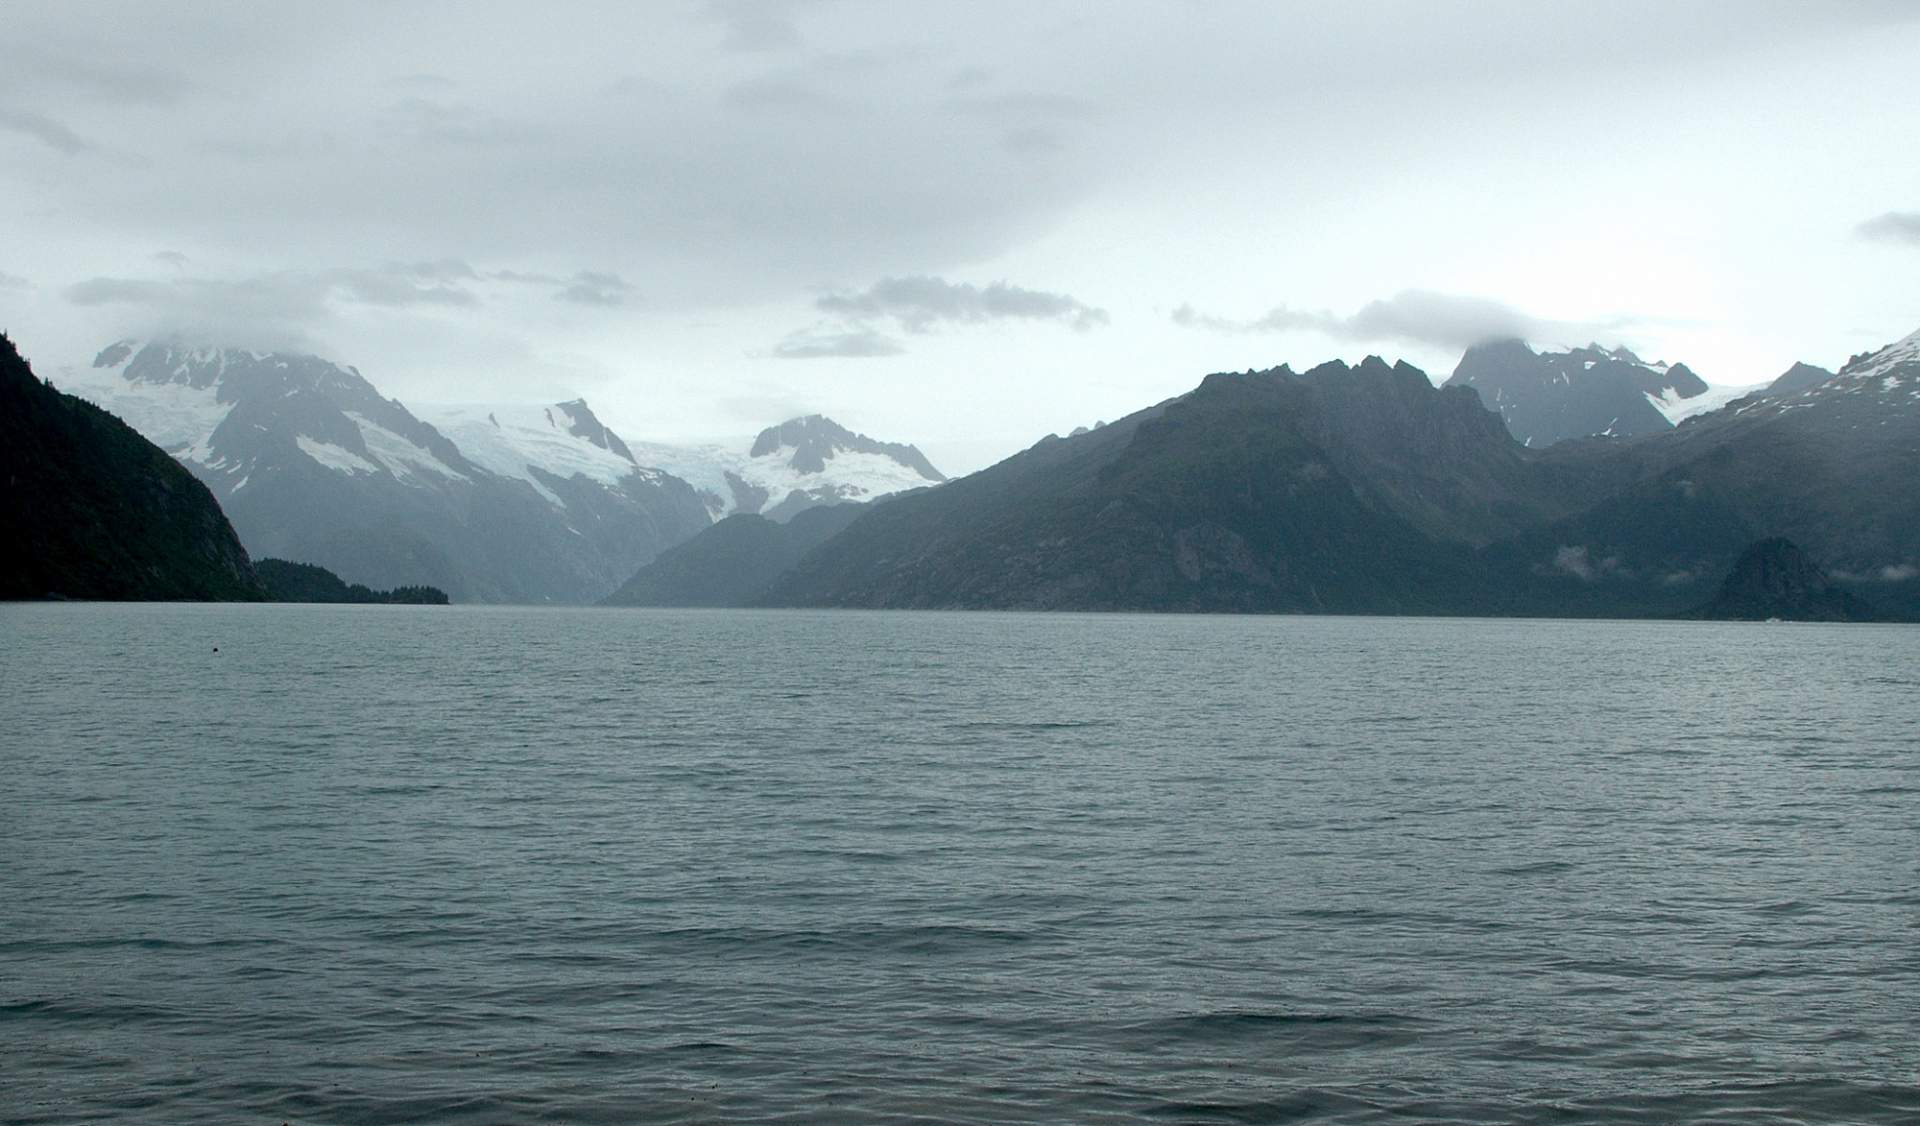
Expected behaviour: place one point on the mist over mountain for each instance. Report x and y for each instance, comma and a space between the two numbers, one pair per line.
93, 510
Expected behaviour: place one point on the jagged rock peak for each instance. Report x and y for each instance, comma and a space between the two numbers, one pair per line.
581, 422
815, 439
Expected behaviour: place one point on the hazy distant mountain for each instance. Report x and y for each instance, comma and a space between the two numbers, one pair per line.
734, 562
1774, 579
1548, 397
796, 465
93, 510
313, 465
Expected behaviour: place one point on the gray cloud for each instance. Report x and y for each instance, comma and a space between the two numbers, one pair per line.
172, 258
1894, 226
85, 73
284, 298
302, 299
13, 281
589, 287
818, 344
781, 93
46, 130
427, 121
1411, 316
756, 25
919, 303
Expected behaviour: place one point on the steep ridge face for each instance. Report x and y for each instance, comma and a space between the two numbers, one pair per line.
314, 465
797, 465
1798, 378
1269, 491
94, 510
1549, 397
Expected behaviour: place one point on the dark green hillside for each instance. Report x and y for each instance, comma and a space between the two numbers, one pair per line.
93, 510
306, 582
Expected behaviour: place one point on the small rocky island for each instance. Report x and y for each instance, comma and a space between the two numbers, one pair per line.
1775, 579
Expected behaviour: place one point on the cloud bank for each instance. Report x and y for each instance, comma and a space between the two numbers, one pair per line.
1413, 316
921, 303
1894, 226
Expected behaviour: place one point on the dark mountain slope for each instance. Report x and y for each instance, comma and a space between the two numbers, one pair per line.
1831, 467
1268, 491
1797, 378
734, 562
93, 510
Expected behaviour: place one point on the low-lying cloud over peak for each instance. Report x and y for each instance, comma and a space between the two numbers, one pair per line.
822, 344
1412, 316
921, 303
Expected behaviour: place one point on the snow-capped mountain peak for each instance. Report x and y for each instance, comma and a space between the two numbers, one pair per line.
796, 465
539, 444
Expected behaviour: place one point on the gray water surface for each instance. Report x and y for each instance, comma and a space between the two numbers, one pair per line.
385, 864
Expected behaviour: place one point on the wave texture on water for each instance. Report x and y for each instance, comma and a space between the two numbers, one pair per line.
392, 864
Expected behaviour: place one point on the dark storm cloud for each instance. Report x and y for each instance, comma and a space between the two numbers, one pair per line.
1411, 317
920, 303
45, 130
1894, 226
589, 287
819, 344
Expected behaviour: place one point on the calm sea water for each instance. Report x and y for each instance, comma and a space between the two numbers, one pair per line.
385, 864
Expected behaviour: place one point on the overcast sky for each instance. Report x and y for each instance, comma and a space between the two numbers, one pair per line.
963, 225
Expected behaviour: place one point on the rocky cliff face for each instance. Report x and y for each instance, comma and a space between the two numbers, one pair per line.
1548, 397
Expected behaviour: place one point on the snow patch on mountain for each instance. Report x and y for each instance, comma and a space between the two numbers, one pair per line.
332, 456
1901, 352
1668, 402
177, 417
410, 463
525, 441
779, 479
